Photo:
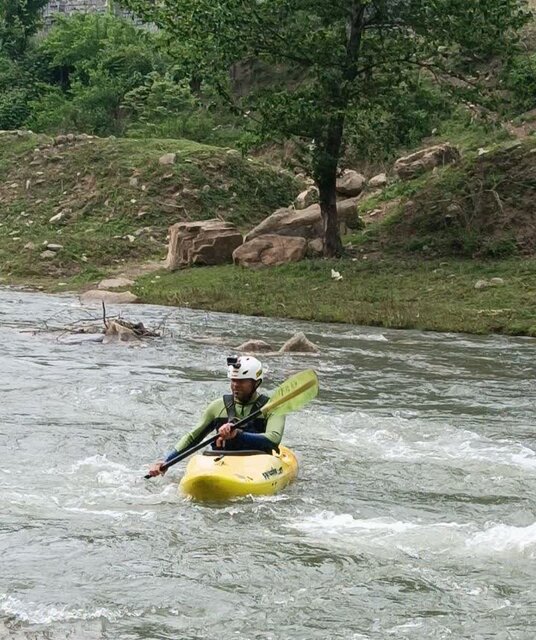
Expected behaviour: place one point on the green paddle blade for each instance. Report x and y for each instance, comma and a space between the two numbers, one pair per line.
293, 394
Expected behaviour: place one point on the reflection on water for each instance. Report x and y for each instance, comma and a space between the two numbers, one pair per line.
413, 516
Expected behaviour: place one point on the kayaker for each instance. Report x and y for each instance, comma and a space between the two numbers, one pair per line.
261, 434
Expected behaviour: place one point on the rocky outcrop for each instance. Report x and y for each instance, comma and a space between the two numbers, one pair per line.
351, 183
289, 222
208, 242
306, 198
270, 250
348, 213
379, 181
299, 344
425, 160
306, 223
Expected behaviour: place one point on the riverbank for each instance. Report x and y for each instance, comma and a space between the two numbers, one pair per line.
435, 295
77, 210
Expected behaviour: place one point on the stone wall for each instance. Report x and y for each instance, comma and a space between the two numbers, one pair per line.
66, 7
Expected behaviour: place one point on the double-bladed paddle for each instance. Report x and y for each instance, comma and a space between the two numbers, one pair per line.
292, 395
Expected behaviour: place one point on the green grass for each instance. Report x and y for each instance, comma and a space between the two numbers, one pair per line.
90, 181
406, 294
406, 289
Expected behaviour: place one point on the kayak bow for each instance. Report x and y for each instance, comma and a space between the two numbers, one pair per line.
216, 476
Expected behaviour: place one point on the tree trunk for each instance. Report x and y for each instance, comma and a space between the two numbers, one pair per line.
195, 84
325, 170
329, 150
327, 182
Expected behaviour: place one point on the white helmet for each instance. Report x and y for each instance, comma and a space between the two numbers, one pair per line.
244, 368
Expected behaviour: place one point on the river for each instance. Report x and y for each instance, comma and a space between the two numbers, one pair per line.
414, 515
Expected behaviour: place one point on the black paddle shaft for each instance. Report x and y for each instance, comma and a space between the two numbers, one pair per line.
201, 445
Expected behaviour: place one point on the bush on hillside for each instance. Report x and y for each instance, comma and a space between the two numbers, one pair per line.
103, 75
14, 94
165, 108
520, 80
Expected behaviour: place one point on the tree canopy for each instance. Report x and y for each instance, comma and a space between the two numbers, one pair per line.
340, 57
19, 20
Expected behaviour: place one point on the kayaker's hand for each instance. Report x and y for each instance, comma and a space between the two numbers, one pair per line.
156, 469
226, 432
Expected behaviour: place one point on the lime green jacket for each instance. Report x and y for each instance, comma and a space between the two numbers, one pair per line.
275, 425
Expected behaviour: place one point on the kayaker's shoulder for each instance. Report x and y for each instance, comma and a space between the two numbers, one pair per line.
216, 406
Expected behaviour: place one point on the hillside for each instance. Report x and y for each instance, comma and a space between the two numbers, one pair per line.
482, 207
110, 201
452, 250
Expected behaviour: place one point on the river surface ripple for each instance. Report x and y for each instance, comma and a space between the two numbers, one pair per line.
414, 515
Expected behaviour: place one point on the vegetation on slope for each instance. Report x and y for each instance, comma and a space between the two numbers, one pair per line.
116, 201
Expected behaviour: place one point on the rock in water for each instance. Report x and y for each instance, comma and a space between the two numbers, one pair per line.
254, 346
299, 344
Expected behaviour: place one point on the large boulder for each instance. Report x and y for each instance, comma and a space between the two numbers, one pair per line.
425, 160
378, 182
255, 346
300, 344
304, 224
289, 222
207, 242
351, 183
270, 250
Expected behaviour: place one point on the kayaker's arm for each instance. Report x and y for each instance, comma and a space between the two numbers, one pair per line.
275, 427
255, 441
213, 411
193, 437
267, 441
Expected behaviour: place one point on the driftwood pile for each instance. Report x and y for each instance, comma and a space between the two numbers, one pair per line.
124, 331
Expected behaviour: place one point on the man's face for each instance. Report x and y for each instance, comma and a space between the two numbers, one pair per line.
242, 389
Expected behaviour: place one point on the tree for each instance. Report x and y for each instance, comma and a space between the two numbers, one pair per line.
19, 20
340, 57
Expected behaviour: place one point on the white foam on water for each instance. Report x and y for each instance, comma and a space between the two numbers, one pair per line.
34, 613
116, 515
414, 538
96, 462
501, 538
329, 522
370, 337
405, 440
121, 495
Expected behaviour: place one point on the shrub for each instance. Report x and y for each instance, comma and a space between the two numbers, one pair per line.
520, 80
14, 108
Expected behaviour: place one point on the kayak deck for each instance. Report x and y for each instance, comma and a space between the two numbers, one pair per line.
215, 476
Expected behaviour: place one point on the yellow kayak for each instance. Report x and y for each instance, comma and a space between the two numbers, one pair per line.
213, 476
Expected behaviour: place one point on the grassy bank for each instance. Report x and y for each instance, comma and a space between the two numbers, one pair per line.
437, 295
116, 201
